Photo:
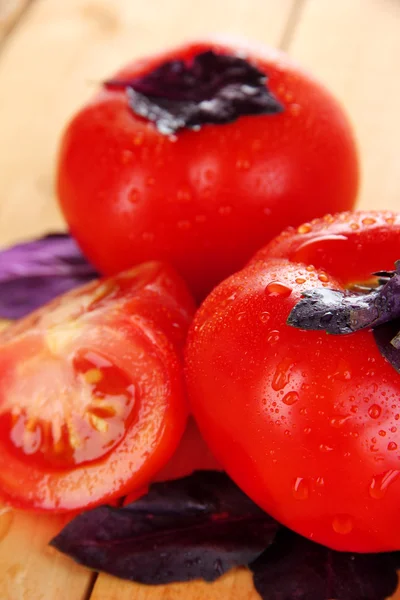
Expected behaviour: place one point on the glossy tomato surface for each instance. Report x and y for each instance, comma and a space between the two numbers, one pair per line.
91, 391
306, 423
204, 200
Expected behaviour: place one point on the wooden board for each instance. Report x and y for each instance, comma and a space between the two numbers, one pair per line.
50, 63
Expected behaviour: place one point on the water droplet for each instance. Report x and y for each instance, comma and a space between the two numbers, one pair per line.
307, 430
276, 288
218, 567
147, 236
126, 156
134, 195
340, 420
183, 195
150, 181
382, 433
320, 481
380, 483
368, 221
300, 280
301, 489
392, 446
184, 225
243, 164
281, 376
323, 277
138, 139
295, 109
374, 411
390, 220
6, 518
342, 524
224, 210
265, 317
273, 337
305, 228
393, 429
310, 268
354, 226
240, 316
325, 448
290, 398
354, 408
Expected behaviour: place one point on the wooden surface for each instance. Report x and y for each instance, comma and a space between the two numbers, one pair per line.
52, 53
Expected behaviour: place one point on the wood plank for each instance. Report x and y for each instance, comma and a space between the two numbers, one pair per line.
10, 12
353, 46
71, 46
29, 568
237, 585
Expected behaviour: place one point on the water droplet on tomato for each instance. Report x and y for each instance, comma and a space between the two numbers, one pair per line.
225, 210
342, 524
323, 277
276, 288
183, 195
307, 430
354, 226
134, 196
380, 483
305, 228
320, 481
382, 432
325, 448
393, 429
368, 221
300, 280
240, 316
374, 411
265, 317
273, 337
150, 181
340, 420
281, 376
295, 109
184, 225
138, 139
6, 519
242, 164
126, 156
392, 446
290, 398
301, 489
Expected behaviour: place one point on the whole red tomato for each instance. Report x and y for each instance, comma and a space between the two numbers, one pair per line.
307, 424
208, 196
92, 403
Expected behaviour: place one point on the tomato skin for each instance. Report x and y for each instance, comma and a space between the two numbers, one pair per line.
134, 325
306, 423
205, 200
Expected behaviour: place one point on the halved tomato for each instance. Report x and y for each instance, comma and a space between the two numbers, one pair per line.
92, 402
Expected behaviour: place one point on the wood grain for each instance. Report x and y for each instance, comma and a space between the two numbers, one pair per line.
52, 63
29, 568
351, 45
10, 12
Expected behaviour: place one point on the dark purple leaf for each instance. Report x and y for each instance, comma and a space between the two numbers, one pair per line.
212, 88
196, 527
342, 312
294, 568
35, 272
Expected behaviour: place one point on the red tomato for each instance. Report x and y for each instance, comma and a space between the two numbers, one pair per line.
204, 200
91, 392
307, 424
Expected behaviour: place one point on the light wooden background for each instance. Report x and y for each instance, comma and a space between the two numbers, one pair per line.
52, 53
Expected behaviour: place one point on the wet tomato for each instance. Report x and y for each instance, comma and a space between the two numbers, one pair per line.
203, 198
91, 391
308, 424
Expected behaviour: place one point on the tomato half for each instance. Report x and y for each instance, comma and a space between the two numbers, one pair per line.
91, 393
307, 424
203, 200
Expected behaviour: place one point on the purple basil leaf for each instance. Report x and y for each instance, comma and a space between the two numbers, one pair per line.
212, 88
196, 527
387, 339
35, 272
294, 568
340, 312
